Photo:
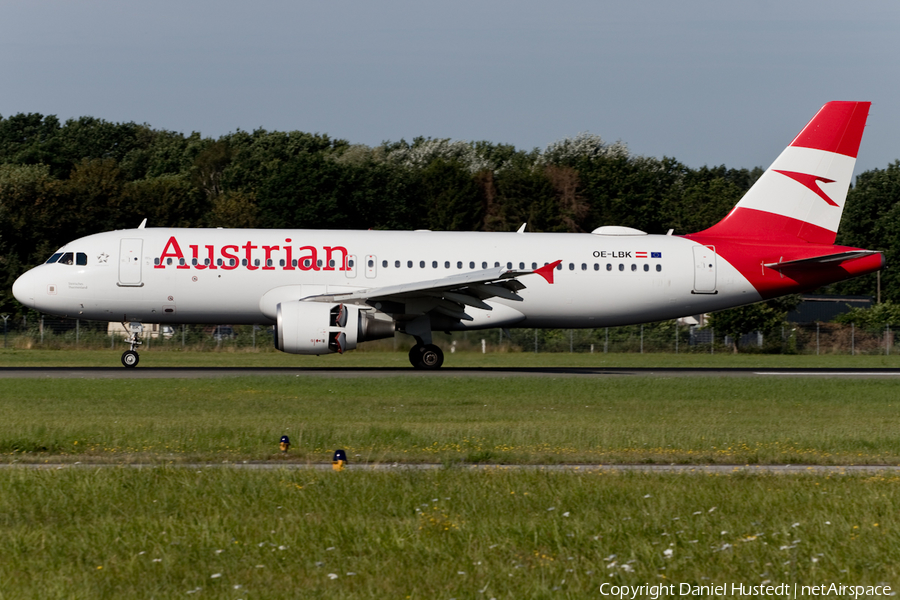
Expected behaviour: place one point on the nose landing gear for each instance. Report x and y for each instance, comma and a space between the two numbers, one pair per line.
130, 357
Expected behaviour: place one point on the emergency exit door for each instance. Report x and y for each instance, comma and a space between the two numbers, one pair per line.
704, 270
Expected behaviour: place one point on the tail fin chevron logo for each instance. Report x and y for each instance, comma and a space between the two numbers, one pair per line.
810, 181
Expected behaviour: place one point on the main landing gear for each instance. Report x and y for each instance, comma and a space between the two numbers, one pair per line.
130, 357
426, 356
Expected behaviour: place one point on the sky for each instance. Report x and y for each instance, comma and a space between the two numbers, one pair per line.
704, 81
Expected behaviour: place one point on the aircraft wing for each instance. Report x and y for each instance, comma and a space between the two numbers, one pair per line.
447, 295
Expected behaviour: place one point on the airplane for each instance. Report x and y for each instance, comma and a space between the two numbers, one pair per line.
327, 291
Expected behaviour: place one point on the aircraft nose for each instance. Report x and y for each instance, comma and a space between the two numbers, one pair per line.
23, 289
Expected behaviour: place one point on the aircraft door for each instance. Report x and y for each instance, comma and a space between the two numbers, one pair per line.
130, 261
704, 270
371, 266
350, 271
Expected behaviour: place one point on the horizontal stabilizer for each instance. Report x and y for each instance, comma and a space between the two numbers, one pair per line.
828, 259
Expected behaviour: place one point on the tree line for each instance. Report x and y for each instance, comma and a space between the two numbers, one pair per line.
63, 180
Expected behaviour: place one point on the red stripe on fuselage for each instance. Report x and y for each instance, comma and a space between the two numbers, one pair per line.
749, 255
759, 225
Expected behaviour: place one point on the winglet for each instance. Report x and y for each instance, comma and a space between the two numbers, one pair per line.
547, 271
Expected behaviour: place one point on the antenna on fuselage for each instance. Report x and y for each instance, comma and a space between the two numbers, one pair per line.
522, 228
143, 224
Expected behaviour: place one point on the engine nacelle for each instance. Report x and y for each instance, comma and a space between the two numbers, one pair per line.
323, 328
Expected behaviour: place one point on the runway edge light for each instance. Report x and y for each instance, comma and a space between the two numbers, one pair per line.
339, 460
285, 443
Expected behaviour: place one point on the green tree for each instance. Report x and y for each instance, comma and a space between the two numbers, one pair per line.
762, 316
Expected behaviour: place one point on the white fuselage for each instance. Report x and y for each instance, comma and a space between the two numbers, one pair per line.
137, 275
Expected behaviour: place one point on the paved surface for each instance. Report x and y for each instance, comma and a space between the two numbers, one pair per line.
350, 372
671, 469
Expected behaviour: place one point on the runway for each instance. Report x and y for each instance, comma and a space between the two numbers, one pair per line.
623, 468
371, 372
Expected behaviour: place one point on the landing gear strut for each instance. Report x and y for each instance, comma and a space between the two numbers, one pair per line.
130, 357
426, 356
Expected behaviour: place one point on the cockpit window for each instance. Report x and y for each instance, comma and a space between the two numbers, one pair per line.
69, 258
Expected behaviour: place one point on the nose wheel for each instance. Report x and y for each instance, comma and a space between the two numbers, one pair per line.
426, 356
130, 357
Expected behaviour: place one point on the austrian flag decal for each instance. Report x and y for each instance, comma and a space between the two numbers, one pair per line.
644, 255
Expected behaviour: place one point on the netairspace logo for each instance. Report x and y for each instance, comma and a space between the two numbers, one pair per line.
733, 590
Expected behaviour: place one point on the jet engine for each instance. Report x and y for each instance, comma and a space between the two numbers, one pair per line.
323, 328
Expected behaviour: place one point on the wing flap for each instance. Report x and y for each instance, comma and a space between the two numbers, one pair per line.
825, 260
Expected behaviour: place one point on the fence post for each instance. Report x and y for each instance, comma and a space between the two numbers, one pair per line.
606, 342
852, 339
42, 330
571, 341
817, 338
77, 331
182, 336
712, 343
676, 336
254, 336
535, 340
642, 339
5, 329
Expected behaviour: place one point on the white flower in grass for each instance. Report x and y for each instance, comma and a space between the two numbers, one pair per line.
647, 496
332, 576
796, 525
668, 552
215, 575
627, 569
712, 509
566, 514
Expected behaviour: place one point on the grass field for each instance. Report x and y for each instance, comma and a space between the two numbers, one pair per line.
454, 419
168, 531
218, 533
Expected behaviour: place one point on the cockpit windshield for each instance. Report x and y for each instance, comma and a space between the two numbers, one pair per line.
68, 258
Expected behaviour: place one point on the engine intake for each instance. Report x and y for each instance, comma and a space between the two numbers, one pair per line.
324, 328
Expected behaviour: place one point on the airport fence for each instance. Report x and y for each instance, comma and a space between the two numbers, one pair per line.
666, 336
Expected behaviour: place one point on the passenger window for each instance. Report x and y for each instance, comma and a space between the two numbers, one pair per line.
522, 265
194, 262
621, 267
206, 261
232, 262
609, 266
308, 262
496, 264
571, 266
409, 264
658, 268
281, 262
559, 267
634, 267
471, 264
371, 263
319, 263
484, 265
294, 262
219, 262
434, 264
180, 262
156, 261
583, 267
397, 263
421, 264
256, 262
243, 262
646, 268
350, 263
533, 266
384, 264
596, 266
168, 261
54, 258
446, 264
459, 264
